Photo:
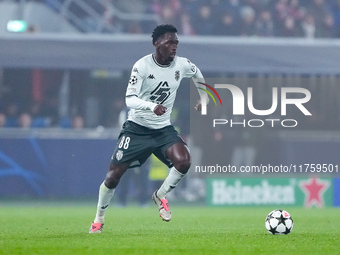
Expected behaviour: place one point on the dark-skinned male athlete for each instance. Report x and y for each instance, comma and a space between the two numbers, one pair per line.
150, 96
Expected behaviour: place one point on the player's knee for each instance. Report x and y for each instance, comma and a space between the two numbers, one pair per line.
113, 177
111, 180
183, 164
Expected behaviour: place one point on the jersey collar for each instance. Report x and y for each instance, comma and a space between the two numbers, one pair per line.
154, 59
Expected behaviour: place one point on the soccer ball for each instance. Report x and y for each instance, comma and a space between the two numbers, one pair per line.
279, 222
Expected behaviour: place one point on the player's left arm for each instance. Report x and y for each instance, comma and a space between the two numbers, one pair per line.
198, 80
192, 71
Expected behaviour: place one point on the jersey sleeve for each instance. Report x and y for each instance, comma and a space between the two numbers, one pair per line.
136, 80
190, 69
132, 99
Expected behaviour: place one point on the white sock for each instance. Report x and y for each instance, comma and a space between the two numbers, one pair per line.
104, 198
170, 182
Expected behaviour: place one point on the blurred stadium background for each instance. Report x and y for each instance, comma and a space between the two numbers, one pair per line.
64, 67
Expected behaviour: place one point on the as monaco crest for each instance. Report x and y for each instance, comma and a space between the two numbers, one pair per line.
119, 155
177, 75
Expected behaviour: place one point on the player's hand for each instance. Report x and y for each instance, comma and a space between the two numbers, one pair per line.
198, 106
159, 110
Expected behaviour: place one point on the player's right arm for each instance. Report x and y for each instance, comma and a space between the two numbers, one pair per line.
132, 98
159, 110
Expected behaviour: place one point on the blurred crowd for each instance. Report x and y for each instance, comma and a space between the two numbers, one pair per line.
261, 18
30, 98
25, 119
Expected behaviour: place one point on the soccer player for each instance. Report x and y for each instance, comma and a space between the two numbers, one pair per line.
150, 96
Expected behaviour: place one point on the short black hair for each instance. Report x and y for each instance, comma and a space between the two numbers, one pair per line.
161, 30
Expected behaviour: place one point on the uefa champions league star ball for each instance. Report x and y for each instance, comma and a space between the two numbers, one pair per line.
279, 222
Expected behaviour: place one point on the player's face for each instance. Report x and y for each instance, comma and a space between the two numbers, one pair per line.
167, 47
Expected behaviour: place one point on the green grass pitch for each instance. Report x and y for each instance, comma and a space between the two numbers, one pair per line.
59, 228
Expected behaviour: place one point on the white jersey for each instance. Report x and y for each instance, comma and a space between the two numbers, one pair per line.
156, 84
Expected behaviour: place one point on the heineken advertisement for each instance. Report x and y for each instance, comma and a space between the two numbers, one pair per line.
244, 192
